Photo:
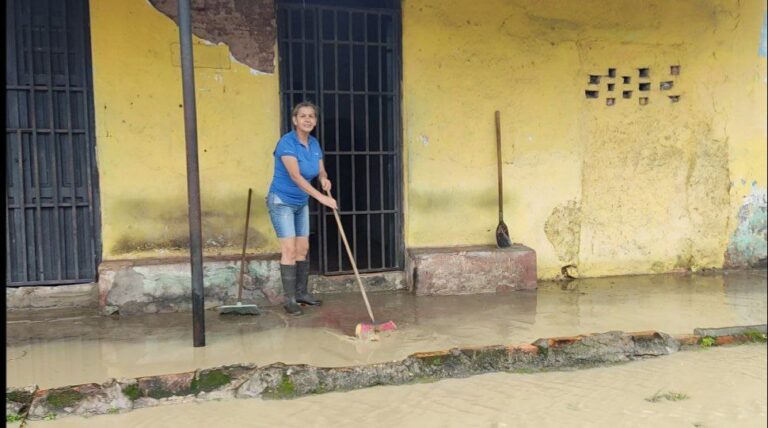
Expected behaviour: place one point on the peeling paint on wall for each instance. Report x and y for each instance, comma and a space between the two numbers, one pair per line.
748, 242
248, 27
563, 229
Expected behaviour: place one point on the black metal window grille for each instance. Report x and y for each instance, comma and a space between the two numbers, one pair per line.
347, 61
52, 220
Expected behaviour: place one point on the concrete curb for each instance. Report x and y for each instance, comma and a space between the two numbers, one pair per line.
285, 381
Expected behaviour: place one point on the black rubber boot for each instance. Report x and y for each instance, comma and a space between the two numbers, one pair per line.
288, 276
302, 285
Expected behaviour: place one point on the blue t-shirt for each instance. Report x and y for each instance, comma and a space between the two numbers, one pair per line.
309, 166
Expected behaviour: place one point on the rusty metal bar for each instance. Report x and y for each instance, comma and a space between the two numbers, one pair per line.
193, 173
32, 111
352, 130
20, 196
316, 209
36, 142
380, 65
71, 139
336, 124
53, 136
23, 211
366, 45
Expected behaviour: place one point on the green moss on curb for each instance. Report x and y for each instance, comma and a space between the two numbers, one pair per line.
19, 397
319, 390
755, 336
543, 351
162, 393
62, 399
707, 341
286, 388
132, 392
209, 381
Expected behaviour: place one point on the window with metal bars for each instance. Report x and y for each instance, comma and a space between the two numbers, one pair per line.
345, 57
52, 222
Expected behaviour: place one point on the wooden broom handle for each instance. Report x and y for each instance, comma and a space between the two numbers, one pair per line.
352, 260
245, 243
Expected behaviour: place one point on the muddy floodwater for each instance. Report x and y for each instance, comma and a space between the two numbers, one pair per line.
717, 387
63, 348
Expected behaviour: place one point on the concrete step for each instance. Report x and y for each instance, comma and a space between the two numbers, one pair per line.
471, 270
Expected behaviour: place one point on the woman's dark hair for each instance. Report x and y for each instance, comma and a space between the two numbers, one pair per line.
309, 104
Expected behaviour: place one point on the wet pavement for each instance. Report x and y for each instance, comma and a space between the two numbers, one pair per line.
55, 348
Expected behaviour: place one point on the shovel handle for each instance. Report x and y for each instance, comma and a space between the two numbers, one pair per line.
498, 163
352, 260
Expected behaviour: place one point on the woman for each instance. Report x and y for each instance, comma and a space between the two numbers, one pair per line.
298, 160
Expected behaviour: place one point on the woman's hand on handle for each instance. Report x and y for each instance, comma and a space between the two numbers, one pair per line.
328, 192
325, 184
328, 202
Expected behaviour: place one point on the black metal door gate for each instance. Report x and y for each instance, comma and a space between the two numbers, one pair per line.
52, 222
344, 56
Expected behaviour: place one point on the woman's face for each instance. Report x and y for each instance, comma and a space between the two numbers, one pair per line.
305, 119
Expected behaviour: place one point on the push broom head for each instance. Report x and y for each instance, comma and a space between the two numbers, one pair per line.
367, 330
239, 309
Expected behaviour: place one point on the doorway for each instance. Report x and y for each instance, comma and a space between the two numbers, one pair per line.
52, 221
345, 57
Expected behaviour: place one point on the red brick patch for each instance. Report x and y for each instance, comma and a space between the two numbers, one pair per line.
688, 339
726, 340
558, 342
428, 355
525, 349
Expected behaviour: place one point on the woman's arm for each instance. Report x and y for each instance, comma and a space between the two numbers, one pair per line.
292, 165
325, 183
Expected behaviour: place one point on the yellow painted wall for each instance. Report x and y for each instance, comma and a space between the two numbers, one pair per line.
140, 136
613, 190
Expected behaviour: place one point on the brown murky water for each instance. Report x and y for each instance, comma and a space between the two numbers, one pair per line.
726, 387
73, 348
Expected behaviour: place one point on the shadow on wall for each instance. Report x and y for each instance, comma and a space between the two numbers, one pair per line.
163, 225
748, 247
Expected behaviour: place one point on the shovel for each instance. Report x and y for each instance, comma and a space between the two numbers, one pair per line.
502, 232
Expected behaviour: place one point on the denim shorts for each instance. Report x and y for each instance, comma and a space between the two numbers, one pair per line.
288, 220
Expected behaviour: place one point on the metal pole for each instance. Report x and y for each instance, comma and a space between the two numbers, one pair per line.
193, 176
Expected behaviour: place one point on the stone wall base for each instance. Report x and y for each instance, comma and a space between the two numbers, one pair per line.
141, 286
471, 270
162, 285
60, 296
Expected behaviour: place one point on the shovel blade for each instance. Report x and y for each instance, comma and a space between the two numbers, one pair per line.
502, 236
